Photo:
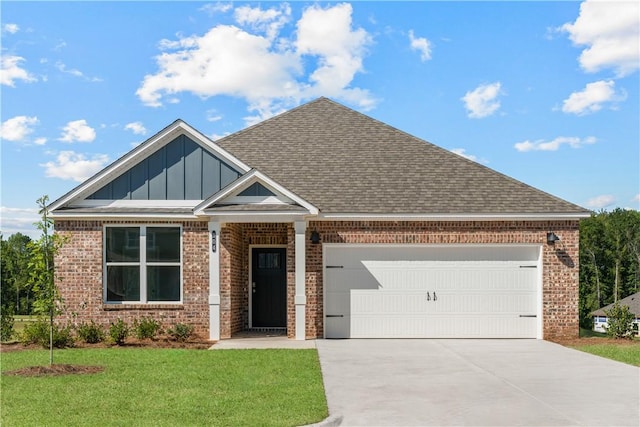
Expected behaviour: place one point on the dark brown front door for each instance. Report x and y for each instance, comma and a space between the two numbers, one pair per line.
269, 287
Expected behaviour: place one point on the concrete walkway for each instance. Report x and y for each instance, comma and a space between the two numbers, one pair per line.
257, 342
475, 383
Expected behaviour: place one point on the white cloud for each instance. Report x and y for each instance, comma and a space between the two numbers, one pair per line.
77, 131
10, 28
328, 35
265, 70
75, 72
17, 128
136, 127
592, 98
40, 141
555, 144
213, 116
422, 45
219, 7
463, 152
75, 166
11, 71
601, 201
636, 198
482, 101
611, 32
19, 220
269, 21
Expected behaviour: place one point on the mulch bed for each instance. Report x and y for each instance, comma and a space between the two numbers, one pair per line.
65, 369
54, 370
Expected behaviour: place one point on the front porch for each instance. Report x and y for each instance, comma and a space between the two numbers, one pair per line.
257, 278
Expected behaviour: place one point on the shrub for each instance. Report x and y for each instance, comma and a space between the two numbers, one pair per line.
118, 331
180, 332
146, 328
619, 321
91, 333
6, 327
38, 333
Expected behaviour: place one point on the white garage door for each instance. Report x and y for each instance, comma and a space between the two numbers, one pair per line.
452, 291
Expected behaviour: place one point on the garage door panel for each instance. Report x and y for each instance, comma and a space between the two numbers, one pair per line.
463, 326
401, 302
402, 292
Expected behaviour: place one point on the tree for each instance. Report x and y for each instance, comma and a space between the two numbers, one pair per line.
609, 259
619, 321
41, 271
16, 287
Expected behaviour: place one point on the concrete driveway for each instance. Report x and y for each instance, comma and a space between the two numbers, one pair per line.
475, 383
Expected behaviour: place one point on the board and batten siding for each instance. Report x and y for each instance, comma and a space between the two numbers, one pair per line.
181, 170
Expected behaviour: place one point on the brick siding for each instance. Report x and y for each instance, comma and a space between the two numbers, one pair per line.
79, 278
79, 268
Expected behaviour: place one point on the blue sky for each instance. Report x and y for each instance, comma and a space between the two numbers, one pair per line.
546, 92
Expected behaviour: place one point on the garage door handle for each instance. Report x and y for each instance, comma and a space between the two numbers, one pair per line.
528, 315
334, 315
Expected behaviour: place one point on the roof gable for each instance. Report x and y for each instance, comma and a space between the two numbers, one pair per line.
180, 170
345, 162
178, 163
254, 192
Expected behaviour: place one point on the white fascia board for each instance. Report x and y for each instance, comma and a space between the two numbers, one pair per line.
142, 151
450, 217
135, 203
227, 217
244, 182
121, 216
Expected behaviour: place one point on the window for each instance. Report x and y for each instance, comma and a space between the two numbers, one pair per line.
268, 260
143, 264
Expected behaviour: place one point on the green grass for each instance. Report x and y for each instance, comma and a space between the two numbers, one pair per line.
626, 353
588, 333
168, 387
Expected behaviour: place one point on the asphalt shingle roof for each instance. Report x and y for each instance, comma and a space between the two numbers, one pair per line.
345, 162
632, 301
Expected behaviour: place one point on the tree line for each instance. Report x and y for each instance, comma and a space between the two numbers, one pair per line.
609, 259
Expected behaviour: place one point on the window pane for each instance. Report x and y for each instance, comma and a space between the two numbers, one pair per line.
123, 244
123, 283
163, 244
163, 283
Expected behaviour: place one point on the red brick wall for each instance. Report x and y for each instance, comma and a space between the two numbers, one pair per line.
79, 268
560, 270
235, 242
79, 278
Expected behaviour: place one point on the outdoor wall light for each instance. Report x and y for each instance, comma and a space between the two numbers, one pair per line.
552, 238
315, 237
213, 241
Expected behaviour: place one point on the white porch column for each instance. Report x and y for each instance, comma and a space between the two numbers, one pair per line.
301, 298
214, 280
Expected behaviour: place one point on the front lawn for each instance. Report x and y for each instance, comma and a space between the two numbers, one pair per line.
170, 387
626, 351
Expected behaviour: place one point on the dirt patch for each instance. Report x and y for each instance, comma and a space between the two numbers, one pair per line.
54, 370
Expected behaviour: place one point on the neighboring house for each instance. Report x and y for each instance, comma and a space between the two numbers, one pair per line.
321, 221
600, 320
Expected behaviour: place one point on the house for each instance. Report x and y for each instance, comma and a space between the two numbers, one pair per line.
322, 222
601, 322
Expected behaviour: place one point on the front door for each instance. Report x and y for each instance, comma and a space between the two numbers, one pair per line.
269, 287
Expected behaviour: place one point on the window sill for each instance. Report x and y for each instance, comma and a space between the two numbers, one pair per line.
119, 307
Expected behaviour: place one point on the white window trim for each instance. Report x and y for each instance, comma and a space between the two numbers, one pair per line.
141, 264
